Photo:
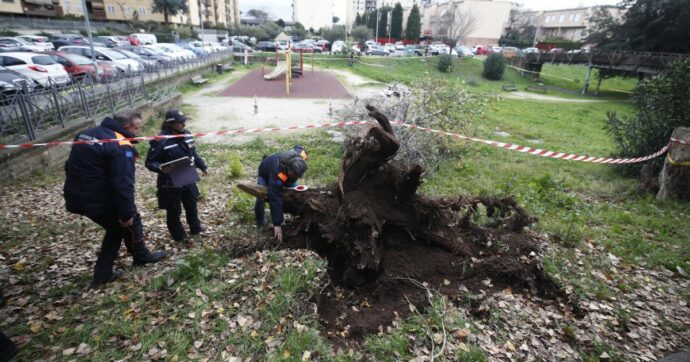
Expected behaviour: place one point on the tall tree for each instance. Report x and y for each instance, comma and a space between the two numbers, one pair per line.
397, 22
414, 24
280, 23
358, 20
383, 22
335, 19
371, 23
169, 8
456, 25
298, 30
651, 25
260, 15
361, 33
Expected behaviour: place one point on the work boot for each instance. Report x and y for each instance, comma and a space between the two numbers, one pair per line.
97, 283
142, 255
7, 348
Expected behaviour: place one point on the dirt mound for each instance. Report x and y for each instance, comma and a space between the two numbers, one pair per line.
386, 244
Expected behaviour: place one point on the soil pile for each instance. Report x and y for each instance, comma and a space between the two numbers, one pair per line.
387, 245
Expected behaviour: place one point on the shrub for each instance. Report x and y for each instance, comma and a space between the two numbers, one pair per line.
234, 166
494, 66
662, 104
8, 33
445, 63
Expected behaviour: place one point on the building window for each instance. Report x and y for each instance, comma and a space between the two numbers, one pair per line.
68, 5
129, 10
111, 9
142, 11
577, 17
570, 17
8, 1
561, 18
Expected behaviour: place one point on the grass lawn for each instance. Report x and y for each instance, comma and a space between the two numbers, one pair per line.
206, 304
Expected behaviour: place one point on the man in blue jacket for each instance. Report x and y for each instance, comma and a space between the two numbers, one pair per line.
170, 196
275, 172
99, 184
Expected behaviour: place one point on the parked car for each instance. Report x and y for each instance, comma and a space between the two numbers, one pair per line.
68, 39
481, 50
376, 50
463, 51
338, 46
530, 51
145, 63
148, 52
37, 40
556, 51
390, 47
110, 41
325, 45
115, 59
40, 68
79, 66
12, 83
510, 52
239, 47
20, 45
174, 51
399, 46
307, 47
199, 48
142, 39
266, 46
438, 49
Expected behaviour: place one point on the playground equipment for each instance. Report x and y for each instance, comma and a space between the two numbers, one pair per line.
285, 67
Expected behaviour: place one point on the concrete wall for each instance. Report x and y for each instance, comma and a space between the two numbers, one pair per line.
11, 7
20, 163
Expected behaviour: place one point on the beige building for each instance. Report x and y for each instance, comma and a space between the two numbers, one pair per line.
216, 12
572, 24
314, 14
487, 19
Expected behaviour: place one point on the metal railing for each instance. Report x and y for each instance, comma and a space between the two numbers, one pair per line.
31, 111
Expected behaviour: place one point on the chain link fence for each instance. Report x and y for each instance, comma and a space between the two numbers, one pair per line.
25, 114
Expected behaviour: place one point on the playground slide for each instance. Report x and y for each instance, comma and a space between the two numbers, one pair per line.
277, 72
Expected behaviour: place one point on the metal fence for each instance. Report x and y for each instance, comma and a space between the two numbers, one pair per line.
26, 114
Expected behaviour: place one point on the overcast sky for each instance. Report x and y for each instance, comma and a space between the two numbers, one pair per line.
283, 8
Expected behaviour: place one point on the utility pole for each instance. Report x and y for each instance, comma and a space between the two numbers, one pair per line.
201, 18
377, 26
88, 30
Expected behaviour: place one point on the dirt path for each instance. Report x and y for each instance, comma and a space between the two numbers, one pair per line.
543, 97
215, 113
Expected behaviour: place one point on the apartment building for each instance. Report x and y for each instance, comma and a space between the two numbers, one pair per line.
314, 14
488, 19
217, 12
572, 24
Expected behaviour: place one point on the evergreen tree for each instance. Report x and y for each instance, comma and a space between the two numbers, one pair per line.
396, 22
371, 24
383, 23
414, 24
358, 20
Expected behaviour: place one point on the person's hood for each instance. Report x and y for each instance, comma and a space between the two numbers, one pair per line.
112, 124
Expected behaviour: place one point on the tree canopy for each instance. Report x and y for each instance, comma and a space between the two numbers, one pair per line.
397, 22
648, 25
169, 8
414, 24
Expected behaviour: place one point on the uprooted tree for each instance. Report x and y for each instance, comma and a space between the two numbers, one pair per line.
375, 207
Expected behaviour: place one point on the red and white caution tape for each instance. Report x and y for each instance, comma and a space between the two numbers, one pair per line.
507, 146
539, 151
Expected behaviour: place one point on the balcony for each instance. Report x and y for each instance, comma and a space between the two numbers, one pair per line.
42, 7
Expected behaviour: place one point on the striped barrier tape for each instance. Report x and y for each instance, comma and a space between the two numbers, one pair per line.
507, 146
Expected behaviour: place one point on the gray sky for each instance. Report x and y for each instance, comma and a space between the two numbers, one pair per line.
283, 8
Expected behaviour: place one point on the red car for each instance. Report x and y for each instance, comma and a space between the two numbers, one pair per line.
78, 66
482, 51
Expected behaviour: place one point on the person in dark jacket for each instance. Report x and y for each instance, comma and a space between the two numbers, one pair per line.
276, 172
170, 196
7, 348
99, 184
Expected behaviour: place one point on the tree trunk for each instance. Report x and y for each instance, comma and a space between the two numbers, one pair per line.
375, 206
674, 180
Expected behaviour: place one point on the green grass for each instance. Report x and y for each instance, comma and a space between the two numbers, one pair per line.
469, 71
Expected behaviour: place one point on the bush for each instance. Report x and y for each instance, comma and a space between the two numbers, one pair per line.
662, 104
494, 66
471, 80
8, 33
445, 63
235, 169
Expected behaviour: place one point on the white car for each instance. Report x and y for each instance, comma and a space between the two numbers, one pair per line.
439, 48
337, 46
143, 38
530, 50
390, 47
112, 58
37, 40
21, 45
40, 68
173, 51
188, 54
